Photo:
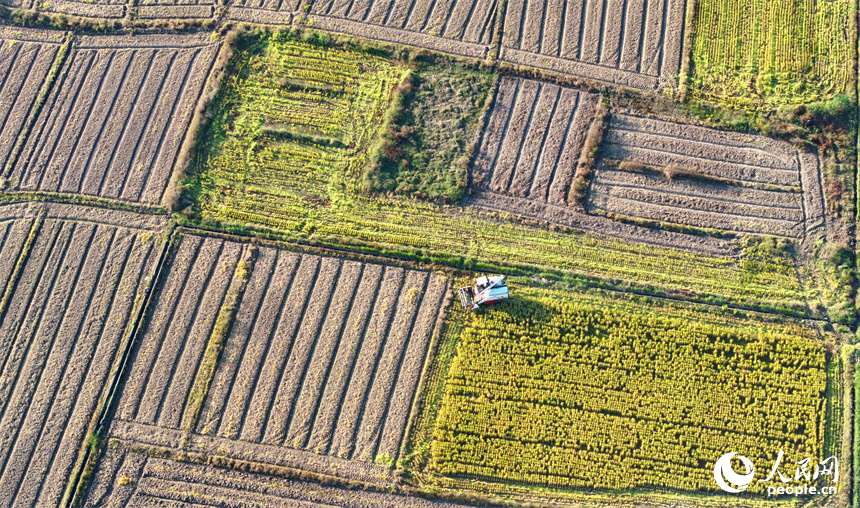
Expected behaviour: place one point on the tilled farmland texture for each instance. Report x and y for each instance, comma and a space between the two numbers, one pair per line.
324, 355
636, 43
116, 117
533, 140
137, 478
26, 58
70, 287
702, 177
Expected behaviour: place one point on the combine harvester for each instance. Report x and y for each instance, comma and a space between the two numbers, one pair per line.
487, 290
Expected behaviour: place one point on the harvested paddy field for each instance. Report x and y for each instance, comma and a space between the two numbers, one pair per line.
635, 43
689, 175
26, 59
533, 139
322, 354
70, 288
116, 117
135, 477
463, 27
575, 390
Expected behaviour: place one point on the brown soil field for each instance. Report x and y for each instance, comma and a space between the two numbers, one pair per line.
26, 57
70, 289
324, 354
462, 20
460, 27
730, 181
533, 139
114, 121
628, 42
130, 476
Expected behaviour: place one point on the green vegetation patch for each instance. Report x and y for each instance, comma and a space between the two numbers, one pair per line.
284, 156
564, 390
760, 54
425, 151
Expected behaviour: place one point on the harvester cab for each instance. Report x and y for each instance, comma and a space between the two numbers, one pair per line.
487, 290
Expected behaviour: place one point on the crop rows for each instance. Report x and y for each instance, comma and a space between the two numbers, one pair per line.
324, 354
24, 67
760, 54
133, 478
622, 41
304, 190
466, 20
568, 390
699, 177
70, 288
114, 121
533, 140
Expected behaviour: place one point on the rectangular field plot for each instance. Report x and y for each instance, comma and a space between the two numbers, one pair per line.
761, 54
636, 43
695, 176
324, 354
70, 290
587, 391
26, 57
533, 140
114, 121
127, 478
463, 27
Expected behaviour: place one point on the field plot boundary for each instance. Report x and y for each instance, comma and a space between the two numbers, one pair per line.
79, 281
580, 69
175, 11
600, 225
42, 35
110, 11
144, 41
83, 213
186, 479
182, 440
264, 16
398, 36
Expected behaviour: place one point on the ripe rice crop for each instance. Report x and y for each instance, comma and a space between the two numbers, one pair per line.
760, 54
564, 390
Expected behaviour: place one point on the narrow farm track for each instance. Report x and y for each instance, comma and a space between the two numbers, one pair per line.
324, 355
635, 43
534, 136
63, 321
163, 482
740, 182
114, 121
